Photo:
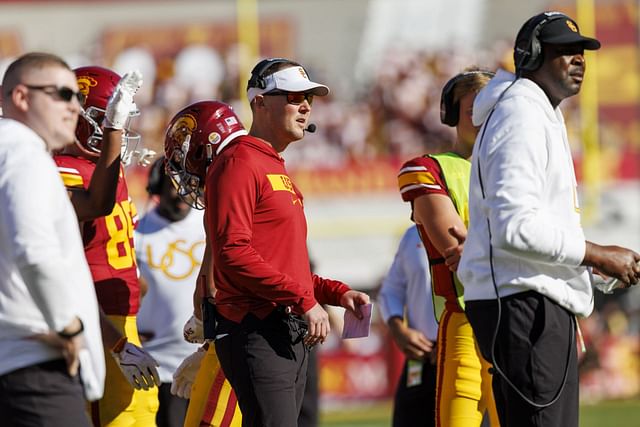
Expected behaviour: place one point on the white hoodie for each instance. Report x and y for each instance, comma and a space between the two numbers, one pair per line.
530, 201
44, 277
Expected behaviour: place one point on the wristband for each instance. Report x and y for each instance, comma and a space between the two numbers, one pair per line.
117, 348
69, 335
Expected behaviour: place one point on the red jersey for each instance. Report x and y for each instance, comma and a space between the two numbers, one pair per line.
417, 177
108, 241
258, 233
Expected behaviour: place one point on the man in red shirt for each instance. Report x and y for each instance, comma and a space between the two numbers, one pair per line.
267, 299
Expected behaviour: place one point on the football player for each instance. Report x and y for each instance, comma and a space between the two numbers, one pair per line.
437, 186
94, 177
194, 136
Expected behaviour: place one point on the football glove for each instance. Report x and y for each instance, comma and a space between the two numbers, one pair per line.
137, 366
121, 101
186, 373
145, 157
193, 331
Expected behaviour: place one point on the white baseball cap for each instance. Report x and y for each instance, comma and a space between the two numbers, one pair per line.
292, 79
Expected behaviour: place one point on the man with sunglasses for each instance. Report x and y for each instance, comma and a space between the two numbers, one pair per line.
268, 301
49, 323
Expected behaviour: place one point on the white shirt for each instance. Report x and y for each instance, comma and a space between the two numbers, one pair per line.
169, 256
408, 284
39, 229
530, 201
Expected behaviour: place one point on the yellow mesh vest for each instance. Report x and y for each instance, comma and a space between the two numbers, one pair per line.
456, 172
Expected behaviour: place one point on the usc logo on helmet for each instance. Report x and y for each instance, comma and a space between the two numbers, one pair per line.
192, 137
184, 126
85, 83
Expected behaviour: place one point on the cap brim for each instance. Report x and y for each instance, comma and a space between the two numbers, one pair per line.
573, 38
304, 86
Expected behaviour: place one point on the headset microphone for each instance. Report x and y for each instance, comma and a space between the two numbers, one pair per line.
311, 128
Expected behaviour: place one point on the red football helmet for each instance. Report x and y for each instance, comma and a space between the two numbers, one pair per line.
193, 137
97, 84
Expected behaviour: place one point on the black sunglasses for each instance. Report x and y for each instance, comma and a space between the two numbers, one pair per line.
61, 93
295, 98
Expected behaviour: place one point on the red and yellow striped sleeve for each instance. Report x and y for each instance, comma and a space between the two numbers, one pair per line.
420, 176
75, 171
71, 177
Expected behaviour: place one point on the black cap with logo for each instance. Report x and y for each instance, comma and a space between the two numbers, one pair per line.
566, 31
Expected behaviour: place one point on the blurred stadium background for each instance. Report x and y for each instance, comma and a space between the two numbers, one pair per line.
386, 62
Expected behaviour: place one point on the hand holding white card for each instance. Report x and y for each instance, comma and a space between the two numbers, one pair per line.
357, 328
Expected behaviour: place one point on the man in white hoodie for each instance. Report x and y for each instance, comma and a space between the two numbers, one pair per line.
50, 341
525, 264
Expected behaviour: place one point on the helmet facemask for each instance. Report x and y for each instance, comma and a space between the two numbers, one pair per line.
188, 185
93, 146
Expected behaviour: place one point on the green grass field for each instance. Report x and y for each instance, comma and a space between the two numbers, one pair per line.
615, 413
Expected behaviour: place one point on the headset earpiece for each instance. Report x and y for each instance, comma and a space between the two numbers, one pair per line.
529, 57
156, 175
450, 110
257, 74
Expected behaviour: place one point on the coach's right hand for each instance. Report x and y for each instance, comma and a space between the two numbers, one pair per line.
318, 321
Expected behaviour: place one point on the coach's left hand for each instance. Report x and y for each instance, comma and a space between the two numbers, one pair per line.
352, 300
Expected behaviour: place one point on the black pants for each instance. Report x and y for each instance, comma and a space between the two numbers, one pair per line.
308, 416
535, 338
416, 405
265, 362
42, 395
172, 409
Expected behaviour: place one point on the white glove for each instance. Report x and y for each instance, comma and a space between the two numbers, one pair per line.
121, 101
193, 331
138, 367
186, 373
145, 156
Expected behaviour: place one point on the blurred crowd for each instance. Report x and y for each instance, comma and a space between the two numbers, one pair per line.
395, 115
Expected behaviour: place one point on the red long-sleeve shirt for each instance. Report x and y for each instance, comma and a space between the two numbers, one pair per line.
258, 233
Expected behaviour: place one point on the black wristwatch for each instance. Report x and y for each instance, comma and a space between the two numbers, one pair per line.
69, 335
